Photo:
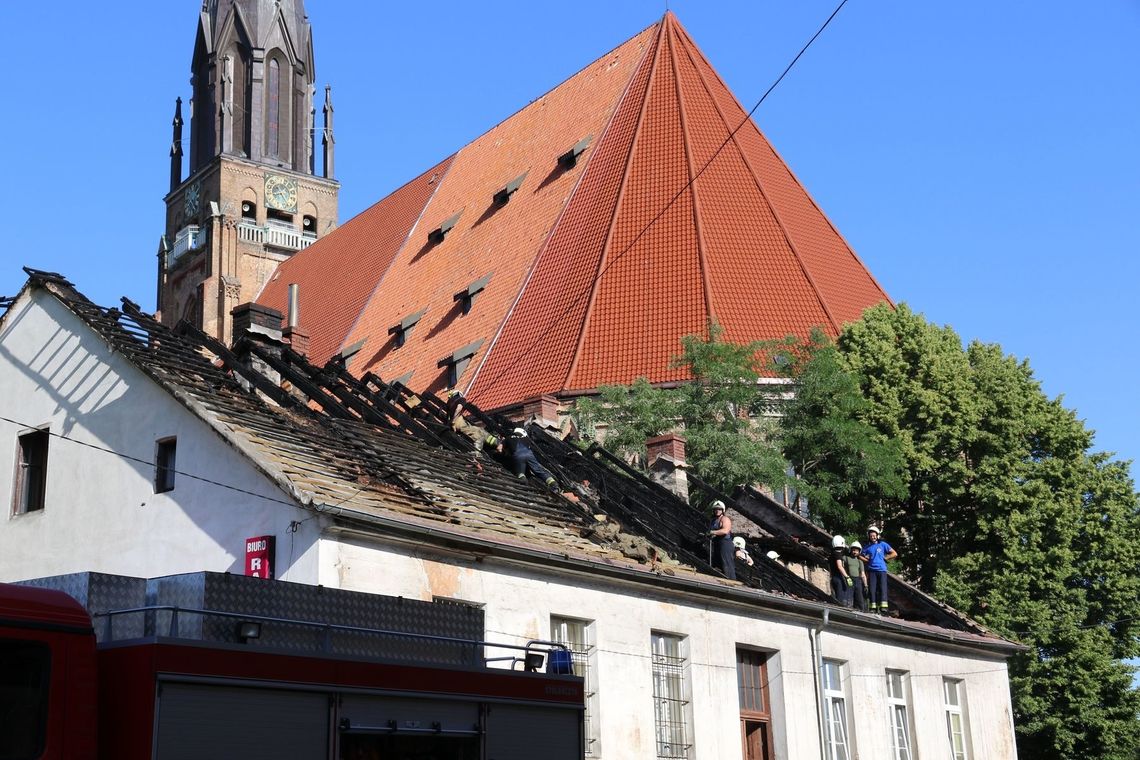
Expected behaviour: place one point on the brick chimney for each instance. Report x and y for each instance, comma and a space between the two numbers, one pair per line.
253, 318
665, 457
544, 410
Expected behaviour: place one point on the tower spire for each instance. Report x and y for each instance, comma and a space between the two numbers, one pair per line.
328, 141
176, 147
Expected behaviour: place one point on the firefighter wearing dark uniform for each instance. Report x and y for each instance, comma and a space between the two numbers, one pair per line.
523, 459
720, 532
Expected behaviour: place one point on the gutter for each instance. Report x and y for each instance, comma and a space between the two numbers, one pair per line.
703, 592
822, 723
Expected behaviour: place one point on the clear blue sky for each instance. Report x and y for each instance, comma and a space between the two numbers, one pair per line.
982, 157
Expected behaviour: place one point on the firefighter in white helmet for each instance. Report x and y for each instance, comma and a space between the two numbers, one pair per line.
855, 569
841, 582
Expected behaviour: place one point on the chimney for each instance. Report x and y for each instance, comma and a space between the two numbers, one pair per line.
293, 334
254, 318
544, 410
665, 457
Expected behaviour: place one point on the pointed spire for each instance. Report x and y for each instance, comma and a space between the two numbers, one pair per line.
176, 147
328, 141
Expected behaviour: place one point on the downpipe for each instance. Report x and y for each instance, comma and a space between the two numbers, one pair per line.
822, 724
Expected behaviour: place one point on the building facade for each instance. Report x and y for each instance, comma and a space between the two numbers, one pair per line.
138, 451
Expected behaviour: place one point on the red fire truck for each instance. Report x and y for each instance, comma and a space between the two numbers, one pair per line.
183, 695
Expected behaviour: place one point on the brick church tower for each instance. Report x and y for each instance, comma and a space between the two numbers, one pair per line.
253, 196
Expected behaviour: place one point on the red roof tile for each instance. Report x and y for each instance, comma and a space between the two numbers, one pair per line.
597, 271
338, 273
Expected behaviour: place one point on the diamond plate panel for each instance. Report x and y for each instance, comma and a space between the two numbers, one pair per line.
99, 593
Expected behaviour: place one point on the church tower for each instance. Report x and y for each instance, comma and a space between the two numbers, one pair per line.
253, 197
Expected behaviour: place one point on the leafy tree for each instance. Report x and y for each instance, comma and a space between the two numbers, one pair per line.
847, 470
1006, 514
721, 412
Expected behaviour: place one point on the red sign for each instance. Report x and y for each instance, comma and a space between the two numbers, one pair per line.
259, 556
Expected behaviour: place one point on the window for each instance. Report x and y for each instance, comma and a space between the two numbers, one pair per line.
578, 636
273, 117
835, 716
309, 226
955, 718
466, 297
670, 704
457, 363
899, 718
25, 670
249, 210
31, 472
164, 456
755, 715
400, 332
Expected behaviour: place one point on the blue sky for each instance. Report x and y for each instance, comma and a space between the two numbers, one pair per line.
982, 157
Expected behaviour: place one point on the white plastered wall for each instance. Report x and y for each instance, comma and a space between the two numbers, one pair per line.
101, 513
519, 601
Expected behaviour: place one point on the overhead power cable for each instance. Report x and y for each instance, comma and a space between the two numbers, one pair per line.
689, 183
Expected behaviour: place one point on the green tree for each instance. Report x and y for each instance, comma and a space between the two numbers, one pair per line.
724, 412
846, 469
1007, 514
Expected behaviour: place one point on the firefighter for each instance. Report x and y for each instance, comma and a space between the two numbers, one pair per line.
875, 555
855, 572
720, 533
459, 424
841, 582
742, 550
523, 459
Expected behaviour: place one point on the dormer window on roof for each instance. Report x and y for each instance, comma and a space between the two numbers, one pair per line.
504, 193
346, 354
436, 236
458, 361
466, 297
569, 159
404, 327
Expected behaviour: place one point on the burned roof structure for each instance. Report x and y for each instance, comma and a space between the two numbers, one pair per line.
376, 458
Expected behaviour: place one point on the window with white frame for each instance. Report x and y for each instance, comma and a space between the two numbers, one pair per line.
670, 699
955, 718
838, 739
898, 714
578, 637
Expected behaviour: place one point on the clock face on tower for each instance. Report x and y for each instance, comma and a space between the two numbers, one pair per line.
192, 199
280, 193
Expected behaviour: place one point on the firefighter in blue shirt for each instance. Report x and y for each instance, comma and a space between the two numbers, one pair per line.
876, 554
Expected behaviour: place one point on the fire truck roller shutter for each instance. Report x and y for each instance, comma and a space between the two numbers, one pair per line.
409, 712
523, 732
202, 720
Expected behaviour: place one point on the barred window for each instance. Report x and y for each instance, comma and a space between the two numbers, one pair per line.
899, 715
670, 700
578, 637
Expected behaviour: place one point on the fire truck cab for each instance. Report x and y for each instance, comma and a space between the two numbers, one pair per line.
174, 681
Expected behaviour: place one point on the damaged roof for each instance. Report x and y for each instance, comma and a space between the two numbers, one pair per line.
379, 458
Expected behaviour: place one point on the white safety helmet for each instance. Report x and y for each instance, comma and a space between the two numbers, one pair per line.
874, 529
837, 542
718, 504
738, 542
855, 545
519, 433
773, 555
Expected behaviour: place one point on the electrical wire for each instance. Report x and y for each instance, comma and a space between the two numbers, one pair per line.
526, 353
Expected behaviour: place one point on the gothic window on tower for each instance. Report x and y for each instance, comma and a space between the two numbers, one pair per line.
277, 108
309, 226
249, 210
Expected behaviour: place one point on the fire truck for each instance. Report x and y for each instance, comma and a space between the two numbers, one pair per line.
212, 665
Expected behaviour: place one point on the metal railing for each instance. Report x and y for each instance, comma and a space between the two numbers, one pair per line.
534, 654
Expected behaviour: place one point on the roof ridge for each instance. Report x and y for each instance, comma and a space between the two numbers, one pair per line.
603, 259
690, 46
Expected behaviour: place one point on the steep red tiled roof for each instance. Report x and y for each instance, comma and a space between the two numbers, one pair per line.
597, 271
338, 273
